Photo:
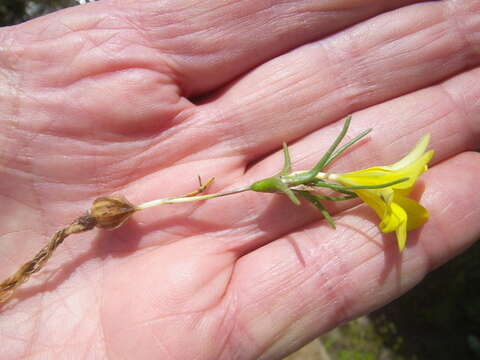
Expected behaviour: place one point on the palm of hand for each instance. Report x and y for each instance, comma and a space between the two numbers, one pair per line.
102, 110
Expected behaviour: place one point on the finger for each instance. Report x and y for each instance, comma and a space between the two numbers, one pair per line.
383, 58
309, 281
202, 45
211, 43
448, 111
144, 56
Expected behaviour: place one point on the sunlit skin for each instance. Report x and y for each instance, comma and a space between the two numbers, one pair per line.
139, 97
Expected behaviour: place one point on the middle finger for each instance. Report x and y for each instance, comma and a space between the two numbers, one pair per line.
380, 59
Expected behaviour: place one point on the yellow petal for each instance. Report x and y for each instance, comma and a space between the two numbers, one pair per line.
401, 233
417, 215
394, 216
413, 171
370, 176
414, 154
396, 220
411, 166
374, 199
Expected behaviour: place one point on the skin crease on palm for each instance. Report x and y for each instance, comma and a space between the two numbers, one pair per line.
139, 97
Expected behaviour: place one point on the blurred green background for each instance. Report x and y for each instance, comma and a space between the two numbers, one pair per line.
15, 11
439, 319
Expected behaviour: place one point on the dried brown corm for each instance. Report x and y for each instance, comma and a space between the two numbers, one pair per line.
111, 212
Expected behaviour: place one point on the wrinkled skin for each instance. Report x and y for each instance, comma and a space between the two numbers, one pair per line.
139, 97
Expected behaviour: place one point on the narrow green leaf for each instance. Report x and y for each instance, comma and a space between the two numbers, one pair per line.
335, 198
356, 187
287, 163
315, 201
346, 192
347, 145
321, 164
287, 191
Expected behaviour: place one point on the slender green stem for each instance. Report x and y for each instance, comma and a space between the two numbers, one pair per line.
175, 200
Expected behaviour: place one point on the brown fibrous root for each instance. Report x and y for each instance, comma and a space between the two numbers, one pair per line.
8, 286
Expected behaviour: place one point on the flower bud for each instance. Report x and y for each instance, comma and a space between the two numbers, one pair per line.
111, 212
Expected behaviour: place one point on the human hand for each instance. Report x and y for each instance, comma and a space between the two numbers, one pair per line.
140, 97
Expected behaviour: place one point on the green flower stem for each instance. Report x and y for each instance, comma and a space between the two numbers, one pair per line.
184, 199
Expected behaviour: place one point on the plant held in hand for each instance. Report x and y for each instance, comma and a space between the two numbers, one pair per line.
383, 188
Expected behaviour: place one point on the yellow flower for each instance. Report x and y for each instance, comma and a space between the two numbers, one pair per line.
397, 212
